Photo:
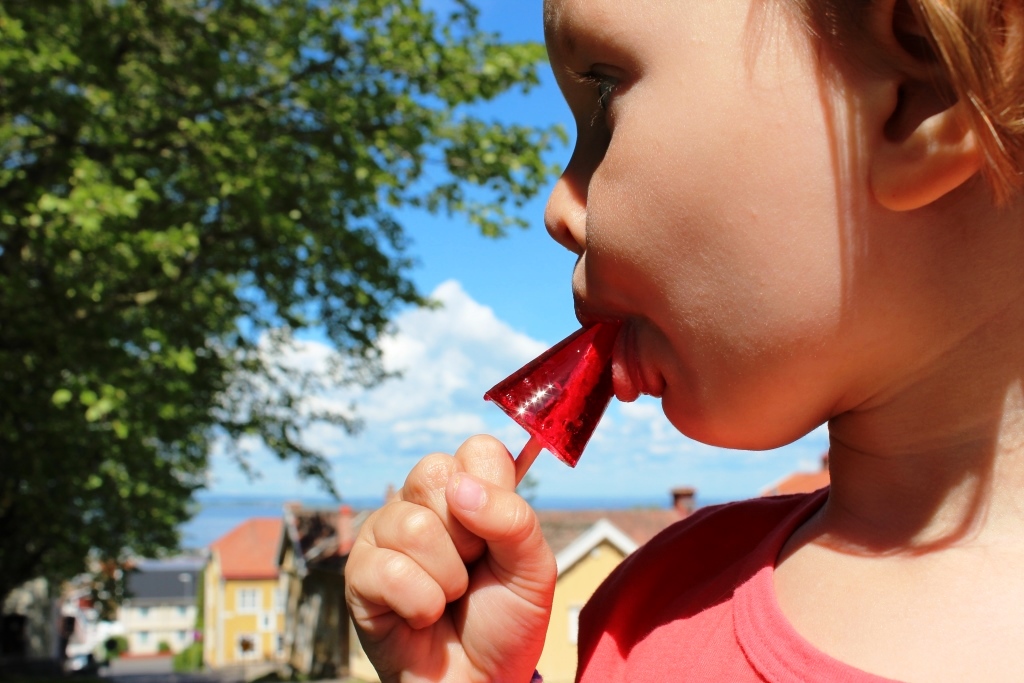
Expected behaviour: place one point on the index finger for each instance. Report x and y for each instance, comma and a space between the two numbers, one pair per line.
425, 486
487, 458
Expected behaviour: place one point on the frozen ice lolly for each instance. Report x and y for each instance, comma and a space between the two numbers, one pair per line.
560, 396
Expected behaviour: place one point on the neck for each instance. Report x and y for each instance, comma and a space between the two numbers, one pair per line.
940, 461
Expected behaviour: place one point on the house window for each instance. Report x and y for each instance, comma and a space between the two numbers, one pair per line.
265, 622
143, 637
143, 612
182, 610
280, 645
248, 599
574, 623
246, 647
182, 635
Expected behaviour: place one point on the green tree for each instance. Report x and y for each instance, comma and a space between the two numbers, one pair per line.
184, 185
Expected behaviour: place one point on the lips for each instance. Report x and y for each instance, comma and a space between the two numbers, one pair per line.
625, 380
628, 377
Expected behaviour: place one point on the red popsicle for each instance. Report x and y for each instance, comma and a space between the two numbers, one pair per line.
560, 396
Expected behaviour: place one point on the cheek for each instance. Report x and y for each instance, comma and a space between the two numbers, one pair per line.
725, 232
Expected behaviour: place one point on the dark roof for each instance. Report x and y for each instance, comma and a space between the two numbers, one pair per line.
179, 563
165, 586
562, 527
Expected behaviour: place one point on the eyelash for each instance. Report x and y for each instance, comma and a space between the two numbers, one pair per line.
603, 84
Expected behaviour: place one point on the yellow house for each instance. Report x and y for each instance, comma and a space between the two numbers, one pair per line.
243, 612
588, 545
582, 566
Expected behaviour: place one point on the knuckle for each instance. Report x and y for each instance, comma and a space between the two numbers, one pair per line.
437, 468
410, 591
396, 571
520, 523
367, 527
483, 442
353, 573
458, 583
482, 447
430, 474
487, 458
365, 538
419, 526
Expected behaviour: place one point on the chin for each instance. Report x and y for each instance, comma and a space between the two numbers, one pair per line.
726, 428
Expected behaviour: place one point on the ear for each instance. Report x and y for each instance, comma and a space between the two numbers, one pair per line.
939, 154
926, 147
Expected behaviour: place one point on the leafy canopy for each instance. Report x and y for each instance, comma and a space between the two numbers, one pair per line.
184, 184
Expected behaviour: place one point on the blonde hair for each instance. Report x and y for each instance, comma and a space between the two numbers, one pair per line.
979, 49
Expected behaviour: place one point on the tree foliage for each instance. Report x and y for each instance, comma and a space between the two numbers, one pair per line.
184, 185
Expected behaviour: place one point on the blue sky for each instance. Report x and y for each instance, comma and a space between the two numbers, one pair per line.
504, 301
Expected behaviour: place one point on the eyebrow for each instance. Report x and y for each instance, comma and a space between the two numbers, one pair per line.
555, 26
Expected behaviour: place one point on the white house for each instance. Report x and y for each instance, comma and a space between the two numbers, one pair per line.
161, 605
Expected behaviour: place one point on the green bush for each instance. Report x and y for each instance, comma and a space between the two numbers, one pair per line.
115, 646
189, 659
163, 647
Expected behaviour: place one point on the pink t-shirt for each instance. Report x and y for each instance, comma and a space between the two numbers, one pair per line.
697, 603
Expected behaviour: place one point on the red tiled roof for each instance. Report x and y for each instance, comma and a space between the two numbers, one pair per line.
249, 551
562, 527
799, 482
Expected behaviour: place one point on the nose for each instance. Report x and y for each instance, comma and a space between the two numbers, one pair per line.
566, 213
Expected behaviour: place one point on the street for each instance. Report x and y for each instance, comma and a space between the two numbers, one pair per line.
159, 670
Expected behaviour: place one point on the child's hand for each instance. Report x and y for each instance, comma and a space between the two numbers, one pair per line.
453, 581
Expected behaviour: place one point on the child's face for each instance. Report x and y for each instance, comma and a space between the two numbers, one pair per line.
702, 197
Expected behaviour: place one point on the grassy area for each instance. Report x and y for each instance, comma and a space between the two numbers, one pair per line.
189, 659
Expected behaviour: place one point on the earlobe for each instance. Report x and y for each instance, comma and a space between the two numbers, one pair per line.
935, 156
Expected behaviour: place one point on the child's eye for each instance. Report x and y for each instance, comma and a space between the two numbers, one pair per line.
604, 84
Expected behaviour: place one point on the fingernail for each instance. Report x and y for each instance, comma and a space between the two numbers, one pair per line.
468, 494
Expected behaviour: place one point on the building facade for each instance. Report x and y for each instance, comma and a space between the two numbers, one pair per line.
244, 611
313, 551
159, 613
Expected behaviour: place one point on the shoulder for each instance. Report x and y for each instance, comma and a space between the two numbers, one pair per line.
666, 612
692, 565
721, 532
710, 540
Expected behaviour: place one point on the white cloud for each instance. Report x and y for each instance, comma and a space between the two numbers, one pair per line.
448, 357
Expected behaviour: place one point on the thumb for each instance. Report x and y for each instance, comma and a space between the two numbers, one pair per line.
503, 630
517, 552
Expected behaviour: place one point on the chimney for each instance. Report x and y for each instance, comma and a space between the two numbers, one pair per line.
684, 500
345, 533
